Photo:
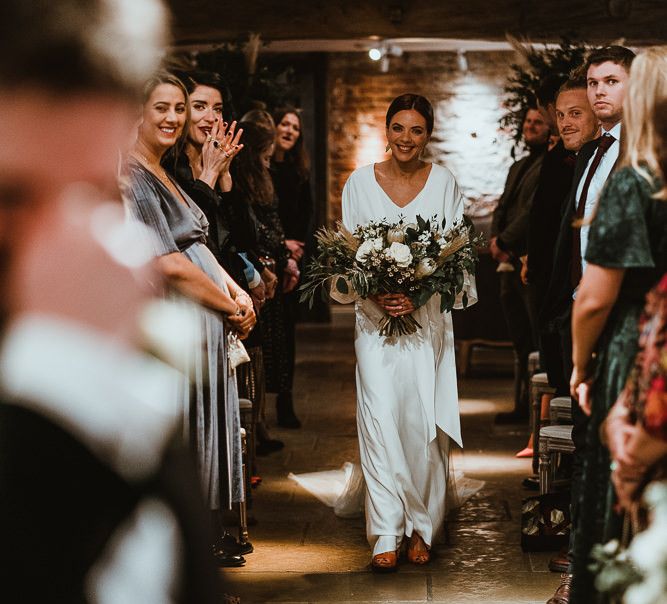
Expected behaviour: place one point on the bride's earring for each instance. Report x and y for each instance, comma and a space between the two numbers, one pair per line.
386, 149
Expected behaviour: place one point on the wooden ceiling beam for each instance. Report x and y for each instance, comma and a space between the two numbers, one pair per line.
212, 21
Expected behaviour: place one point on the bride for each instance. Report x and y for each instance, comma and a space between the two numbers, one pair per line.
407, 401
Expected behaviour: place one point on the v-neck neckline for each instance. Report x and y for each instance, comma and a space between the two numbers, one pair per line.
428, 178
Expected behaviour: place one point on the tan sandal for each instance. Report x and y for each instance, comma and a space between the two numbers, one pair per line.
386, 562
418, 551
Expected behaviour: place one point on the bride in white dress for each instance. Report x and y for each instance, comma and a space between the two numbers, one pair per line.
407, 400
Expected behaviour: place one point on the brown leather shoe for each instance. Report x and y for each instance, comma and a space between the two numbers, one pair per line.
418, 550
559, 563
562, 593
386, 562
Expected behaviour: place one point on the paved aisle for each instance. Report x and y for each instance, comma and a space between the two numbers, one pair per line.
305, 554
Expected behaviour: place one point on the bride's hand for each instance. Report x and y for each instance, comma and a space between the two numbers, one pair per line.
395, 305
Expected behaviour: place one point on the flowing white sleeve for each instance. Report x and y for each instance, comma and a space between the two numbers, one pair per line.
469, 283
347, 206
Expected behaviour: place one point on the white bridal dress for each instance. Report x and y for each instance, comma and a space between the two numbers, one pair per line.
407, 399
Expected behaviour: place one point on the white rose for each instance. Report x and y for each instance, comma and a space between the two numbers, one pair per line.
400, 254
364, 249
378, 244
425, 268
396, 234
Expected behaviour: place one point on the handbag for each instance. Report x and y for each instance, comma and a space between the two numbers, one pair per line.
545, 522
236, 352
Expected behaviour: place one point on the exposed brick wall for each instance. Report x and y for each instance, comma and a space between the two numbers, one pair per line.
467, 105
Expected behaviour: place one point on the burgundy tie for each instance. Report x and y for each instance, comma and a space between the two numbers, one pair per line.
604, 142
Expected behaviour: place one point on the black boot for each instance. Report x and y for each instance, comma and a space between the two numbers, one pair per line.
285, 411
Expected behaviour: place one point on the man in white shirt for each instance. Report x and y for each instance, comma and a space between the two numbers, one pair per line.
607, 70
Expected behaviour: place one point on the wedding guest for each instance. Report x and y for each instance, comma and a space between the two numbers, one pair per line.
96, 497
261, 117
290, 170
211, 406
577, 125
625, 257
508, 243
606, 71
208, 153
636, 427
253, 187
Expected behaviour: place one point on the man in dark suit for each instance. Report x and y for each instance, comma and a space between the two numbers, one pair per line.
509, 232
607, 71
576, 125
97, 502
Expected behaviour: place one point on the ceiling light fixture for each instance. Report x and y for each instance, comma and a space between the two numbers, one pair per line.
382, 52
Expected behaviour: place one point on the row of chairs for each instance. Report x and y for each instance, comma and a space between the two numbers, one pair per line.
552, 440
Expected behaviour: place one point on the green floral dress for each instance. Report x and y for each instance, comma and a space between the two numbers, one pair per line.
628, 232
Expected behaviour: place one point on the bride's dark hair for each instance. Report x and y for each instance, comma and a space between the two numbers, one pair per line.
417, 102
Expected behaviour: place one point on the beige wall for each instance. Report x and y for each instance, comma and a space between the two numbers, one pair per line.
467, 105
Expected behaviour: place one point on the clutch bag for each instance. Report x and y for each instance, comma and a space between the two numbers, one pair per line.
236, 352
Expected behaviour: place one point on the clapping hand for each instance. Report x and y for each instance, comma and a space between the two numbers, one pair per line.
231, 146
214, 157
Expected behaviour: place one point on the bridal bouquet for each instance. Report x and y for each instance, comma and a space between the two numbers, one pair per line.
418, 260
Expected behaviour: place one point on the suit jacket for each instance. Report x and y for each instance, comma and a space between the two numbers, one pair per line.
510, 219
545, 214
558, 301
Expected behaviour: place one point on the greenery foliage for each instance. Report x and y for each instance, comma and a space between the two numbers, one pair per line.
527, 74
417, 259
271, 84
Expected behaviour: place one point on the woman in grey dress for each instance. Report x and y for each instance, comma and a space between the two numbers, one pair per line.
211, 404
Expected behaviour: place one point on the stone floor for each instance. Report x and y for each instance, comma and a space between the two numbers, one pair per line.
304, 553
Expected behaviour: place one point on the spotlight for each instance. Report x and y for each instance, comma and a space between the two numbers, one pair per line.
462, 60
375, 54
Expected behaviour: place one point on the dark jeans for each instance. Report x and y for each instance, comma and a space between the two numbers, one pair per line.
518, 308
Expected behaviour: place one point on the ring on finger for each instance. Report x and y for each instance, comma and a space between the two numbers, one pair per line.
216, 144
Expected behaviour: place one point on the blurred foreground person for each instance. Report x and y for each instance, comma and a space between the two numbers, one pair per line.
97, 504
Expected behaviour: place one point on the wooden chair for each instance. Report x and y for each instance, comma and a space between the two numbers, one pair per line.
245, 406
554, 440
539, 385
533, 363
560, 410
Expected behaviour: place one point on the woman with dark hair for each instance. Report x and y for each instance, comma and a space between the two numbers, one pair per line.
202, 169
290, 169
407, 403
211, 406
253, 189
